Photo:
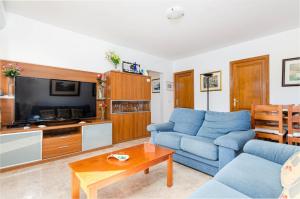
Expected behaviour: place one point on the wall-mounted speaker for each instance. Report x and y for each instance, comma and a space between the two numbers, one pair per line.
2, 15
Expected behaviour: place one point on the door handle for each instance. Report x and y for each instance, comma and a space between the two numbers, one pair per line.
235, 101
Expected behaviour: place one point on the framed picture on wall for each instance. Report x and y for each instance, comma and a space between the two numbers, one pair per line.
64, 88
169, 86
156, 85
215, 82
291, 72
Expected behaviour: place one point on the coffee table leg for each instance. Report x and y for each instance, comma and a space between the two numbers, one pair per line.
92, 193
170, 171
146, 171
75, 187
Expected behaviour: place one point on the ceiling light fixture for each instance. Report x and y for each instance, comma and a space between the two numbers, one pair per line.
174, 13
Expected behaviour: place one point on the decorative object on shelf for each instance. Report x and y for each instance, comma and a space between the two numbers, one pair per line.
11, 71
291, 72
101, 79
215, 82
131, 68
170, 86
113, 58
120, 157
102, 107
156, 85
64, 88
130, 106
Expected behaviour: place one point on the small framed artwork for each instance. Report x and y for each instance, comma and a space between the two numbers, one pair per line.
291, 72
64, 88
169, 86
156, 85
215, 82
131, 67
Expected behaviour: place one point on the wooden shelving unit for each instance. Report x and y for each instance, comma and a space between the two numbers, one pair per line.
128, 97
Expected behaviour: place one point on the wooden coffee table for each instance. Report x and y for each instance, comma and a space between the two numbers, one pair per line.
96, 172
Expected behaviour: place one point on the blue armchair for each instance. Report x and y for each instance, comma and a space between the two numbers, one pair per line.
205, 141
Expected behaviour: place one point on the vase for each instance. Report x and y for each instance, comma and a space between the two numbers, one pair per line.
10, 86
101, 92
102, 114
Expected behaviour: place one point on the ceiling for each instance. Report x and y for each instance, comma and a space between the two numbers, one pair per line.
142, 24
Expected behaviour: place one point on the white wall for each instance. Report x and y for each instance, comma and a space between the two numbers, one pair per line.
2, 15
279, 46
156, 101
28, 40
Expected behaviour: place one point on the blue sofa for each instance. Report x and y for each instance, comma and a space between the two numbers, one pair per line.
205, 141
253, 174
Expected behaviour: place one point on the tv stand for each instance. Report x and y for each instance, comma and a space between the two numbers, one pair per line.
51, 142
60, 122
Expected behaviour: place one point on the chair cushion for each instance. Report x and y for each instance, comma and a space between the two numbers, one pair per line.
270, 131
169, 139
219, 123
187, 121
215, 189
253, 176
290, 171
200, 146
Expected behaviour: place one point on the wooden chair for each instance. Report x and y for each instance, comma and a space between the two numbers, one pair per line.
294, 124
267, 122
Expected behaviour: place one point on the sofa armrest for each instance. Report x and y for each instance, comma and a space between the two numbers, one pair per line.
235, 140
275, 152
168, 126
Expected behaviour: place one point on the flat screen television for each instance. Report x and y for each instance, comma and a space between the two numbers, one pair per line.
39, 100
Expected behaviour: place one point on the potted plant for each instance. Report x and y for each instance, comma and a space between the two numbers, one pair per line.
11, 71
113, 58
101, 79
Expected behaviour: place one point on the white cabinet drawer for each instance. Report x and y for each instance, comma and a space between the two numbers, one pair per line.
20, 148
95, 136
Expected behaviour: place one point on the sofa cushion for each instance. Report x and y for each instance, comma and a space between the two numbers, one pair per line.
253, 176
187, 121
215, 189
219, 123
200, 146
169, 139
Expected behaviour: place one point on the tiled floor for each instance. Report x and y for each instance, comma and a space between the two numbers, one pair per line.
52, 181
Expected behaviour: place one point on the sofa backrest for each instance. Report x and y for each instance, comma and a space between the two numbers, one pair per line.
275, 152
187, 121
219, 123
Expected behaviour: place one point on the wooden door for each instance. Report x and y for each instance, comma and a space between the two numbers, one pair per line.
249, 82
184, 89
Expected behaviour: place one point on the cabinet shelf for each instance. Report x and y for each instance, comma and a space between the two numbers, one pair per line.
7, 97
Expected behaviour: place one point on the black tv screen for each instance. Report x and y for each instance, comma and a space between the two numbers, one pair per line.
42, 100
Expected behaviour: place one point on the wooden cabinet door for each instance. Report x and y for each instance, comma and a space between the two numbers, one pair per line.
124, 86
249, 83
130, 126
